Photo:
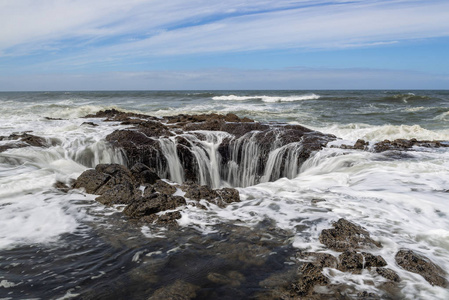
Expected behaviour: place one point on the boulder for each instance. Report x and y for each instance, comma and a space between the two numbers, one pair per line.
153, 204
346, 235
416, 263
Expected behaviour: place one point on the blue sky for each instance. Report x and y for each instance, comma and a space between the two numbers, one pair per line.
252, 44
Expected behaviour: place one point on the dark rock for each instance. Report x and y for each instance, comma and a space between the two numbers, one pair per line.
227, 195
350, 260
309, 276
404, 144
61, 186
373, 261
153, 204
198, 192
23, 140
367, 295
113, 182
322, 260
89, 124
346, 235
166, 219
180, 290
388, 274
413, 262
164, 188
144, 174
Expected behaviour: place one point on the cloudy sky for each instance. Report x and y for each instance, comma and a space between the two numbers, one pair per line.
232, 44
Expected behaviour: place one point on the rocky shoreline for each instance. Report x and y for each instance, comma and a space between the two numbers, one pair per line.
152, 191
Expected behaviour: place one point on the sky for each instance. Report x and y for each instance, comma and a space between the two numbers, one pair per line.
216, 44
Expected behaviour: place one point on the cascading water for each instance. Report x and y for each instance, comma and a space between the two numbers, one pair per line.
246, 164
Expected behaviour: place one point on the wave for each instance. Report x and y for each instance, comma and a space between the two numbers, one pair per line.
405, 97
269, 99
371, 133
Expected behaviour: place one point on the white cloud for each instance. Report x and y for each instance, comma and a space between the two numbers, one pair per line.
143, 28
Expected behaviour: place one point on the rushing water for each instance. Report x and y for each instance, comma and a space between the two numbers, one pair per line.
60, 246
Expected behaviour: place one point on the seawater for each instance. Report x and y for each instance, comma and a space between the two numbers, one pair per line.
61, 246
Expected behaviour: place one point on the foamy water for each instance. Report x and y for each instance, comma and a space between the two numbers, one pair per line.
401, 199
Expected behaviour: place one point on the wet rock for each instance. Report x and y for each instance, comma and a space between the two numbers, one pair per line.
89, 124
180, 290
346, 235
219, 197
371, 260
309, 276
350, 260
232, 278
143, 174
413, 262
322, 260
404, 144
113, 182
22, 140
166, 219
367, 295
163, 187
388, 274
59, 185
153, 204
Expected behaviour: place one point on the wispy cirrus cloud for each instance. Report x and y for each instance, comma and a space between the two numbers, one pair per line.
99, 29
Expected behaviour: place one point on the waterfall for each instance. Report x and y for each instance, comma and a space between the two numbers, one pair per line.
248, 161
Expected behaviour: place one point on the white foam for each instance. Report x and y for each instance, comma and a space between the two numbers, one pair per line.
265, 98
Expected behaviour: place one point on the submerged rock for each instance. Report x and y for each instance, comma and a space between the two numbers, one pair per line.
180, 290
23, 140
413, 262
346, 235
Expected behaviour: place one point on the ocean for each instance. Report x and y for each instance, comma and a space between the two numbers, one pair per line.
56, 245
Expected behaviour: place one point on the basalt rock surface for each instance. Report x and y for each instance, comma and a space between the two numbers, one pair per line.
395, 145
147, 138
416, 263
23, 140
116, 184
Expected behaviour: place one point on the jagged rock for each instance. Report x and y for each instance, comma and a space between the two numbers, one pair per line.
373, 261
113, 182
350, 260
164, 188
61, 186
413, 262
322, 260
388, 274
227, 195
346, 235
153, 204
404, 144
219, 197
166, 219
144, 174
309, 276
22, 140
180, 290
142, 142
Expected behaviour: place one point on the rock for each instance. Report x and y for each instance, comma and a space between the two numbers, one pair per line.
144, 174
404, 144
89, 124
198, 192
164, 188
166, 219
346, 235
322, 260
22, 140
219, 197
373, 261
232, 278
180, 290
113, 182
155, 203
309, 276
228, 195
388, 274
413, 262
350, 260
61, 186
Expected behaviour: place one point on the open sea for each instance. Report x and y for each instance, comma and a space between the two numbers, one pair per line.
56, 245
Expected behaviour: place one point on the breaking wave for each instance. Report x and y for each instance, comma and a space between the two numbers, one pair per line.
269, 99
